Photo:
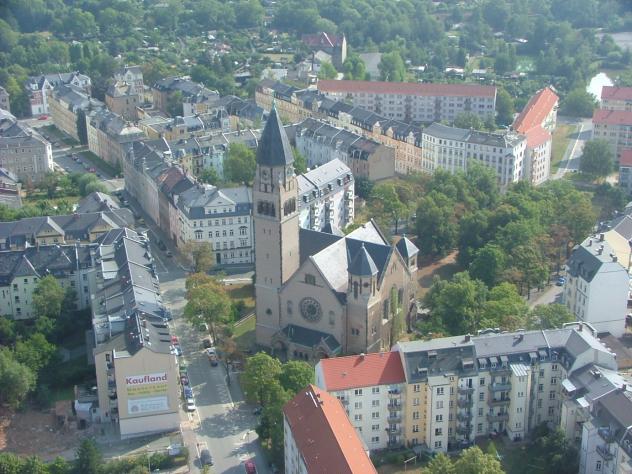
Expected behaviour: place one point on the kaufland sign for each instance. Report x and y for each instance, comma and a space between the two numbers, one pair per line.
146, 379
147, 393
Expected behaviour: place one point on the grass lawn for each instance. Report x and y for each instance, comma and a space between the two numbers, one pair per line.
99, 163
57, 134
38, 197
244, 335
244, 292
561, 137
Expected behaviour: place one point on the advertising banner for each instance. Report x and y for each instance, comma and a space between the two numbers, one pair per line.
147, 393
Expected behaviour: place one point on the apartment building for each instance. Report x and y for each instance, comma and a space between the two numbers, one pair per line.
5, 103
97, 202
320, 143
222, 217
326, 197
110, 136
625, 170
614, 126
366, 384
453, 149
132, 75
292, 104
64, 229
414, 102
10, 189
597, 285
67, 104
537, 121
318, 437
185, 127
137, 372
616, 98
23, 151
39, 88
122, 99
20, 271
190, 92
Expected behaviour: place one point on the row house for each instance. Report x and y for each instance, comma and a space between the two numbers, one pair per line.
39, 88
326, 197
133, 76
292, 104
320, 143
122, 99
164, 91
23, 151
110, 136
185, 127
453, 149
414, 102
67, 104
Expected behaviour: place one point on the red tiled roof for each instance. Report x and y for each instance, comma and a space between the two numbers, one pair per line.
406, 88
379, 368
616, 93
324, 436
322, 39
536, 110
626, 158
612, 117
537, 136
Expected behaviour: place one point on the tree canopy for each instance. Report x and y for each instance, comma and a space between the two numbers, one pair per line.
239, 165
597, 158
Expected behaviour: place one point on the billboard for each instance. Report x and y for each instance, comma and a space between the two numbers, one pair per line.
147, 393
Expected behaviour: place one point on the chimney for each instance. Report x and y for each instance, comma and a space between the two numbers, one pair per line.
614, 258
581, 326
468, 337
590, 242
624, 387
362, 356
601, 237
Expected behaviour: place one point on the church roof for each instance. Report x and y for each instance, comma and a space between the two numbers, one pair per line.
274, 147
406, 248
362, 264
307, 337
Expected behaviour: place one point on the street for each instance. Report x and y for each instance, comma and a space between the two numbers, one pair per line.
570, 161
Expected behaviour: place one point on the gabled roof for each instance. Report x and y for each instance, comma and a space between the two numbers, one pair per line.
406, 88
365, 370
537, 109
274, 147
612, 117
406, 248
326, 440
362, 264
616, 93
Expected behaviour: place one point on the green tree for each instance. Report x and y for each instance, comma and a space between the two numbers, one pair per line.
48, 298
16, 379
10, 463
354, 68
549, 316
440, 464
88, 457
597, 158
392, 67
296, 375
35, 352
174, 104
327, 71
387, 207
261, 370
437, 228
469, 120
96, 186
363, 187
200, 255
504, 309
271, 424
475, 461
209, 304
489, 264
578, 103
209, 176
240, 164
504, 107
300, 162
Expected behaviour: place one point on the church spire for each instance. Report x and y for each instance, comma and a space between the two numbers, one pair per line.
274, 146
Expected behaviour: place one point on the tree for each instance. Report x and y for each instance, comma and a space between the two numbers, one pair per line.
327, 71
363, 187
82, 127
578, 103
296, 375
489, 264
261, 370
440, 464
504, 107
16, 379
200, 255
475, 461
504, 309
437, 228
354, 68
209, 304
35, 352
240, 164
392, 67
549, 316
386, 205
300, 162
89, 458
50, 181
597, 158
174, 104
48, 298
209, 176
96, 186
469, 120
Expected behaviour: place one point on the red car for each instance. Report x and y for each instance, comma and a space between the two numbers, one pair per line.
250, 467
43, 117
174, 340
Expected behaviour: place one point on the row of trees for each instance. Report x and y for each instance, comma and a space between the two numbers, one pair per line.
470, 461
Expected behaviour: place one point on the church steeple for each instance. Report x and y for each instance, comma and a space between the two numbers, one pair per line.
274, 146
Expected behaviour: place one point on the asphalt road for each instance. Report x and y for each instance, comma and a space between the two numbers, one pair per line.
570, 161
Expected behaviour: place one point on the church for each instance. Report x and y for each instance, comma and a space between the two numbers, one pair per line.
321, 294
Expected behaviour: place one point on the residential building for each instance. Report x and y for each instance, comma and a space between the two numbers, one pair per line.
597, 285
172, 183
371, 388
110, 136
320, 143
96, 202
23, 151
616, 98
244, 114
122, 99
39, 88
10, 189
625, 170
614, 126
292, 104
136, 369
20, 271
5, 103
65, 229
189, 126
132, 75
68, 105
164, 91
222, 217
326, 197
454, 149
334, 45
320, 294
537, 121
318, 437
414, 102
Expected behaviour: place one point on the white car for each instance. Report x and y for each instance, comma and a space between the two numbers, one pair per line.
190, 404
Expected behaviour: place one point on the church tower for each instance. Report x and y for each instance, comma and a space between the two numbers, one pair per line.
275, 213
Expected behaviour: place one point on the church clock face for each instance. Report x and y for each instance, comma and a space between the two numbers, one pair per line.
311, 310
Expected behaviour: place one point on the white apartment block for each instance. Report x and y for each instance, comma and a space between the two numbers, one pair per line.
39, 88
614, 126
597, 286
453, 149
326, 197
414, 102
371, 390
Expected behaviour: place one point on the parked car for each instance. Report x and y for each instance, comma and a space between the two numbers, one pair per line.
560, 281
178, 351
191, 404
250, 467
169, 253
212, 356
207, 343
43, 117
188, 393
184, 380
175, 340
205, 458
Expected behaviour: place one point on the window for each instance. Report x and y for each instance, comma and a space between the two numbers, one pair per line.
415, 415
375, 439
539, 403
439, 404
554, 367
416, 387
519, 410
358, 405
358, 391
439, 390
540, 388
479, 428
415, 428
481, 396
415, 402
551, 411
438, 431
439, 418
375, 390
437, 444
357, 417
310, 279
375, 403
520, 394
551, 395
375, 415
481, 381
375, 427
598, 465
553, 380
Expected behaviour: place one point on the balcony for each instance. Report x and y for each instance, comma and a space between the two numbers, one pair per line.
464, 402
500, 369
605, 453
394, 406
496, 402
464, 416
500, 387
606, 434
394, 394
464, 429
394, 419
496, 417
394, 431
465, 390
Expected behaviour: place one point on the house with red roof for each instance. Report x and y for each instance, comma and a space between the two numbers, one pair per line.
319, 437
333, 45
536, 121
616, 98
370, 387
